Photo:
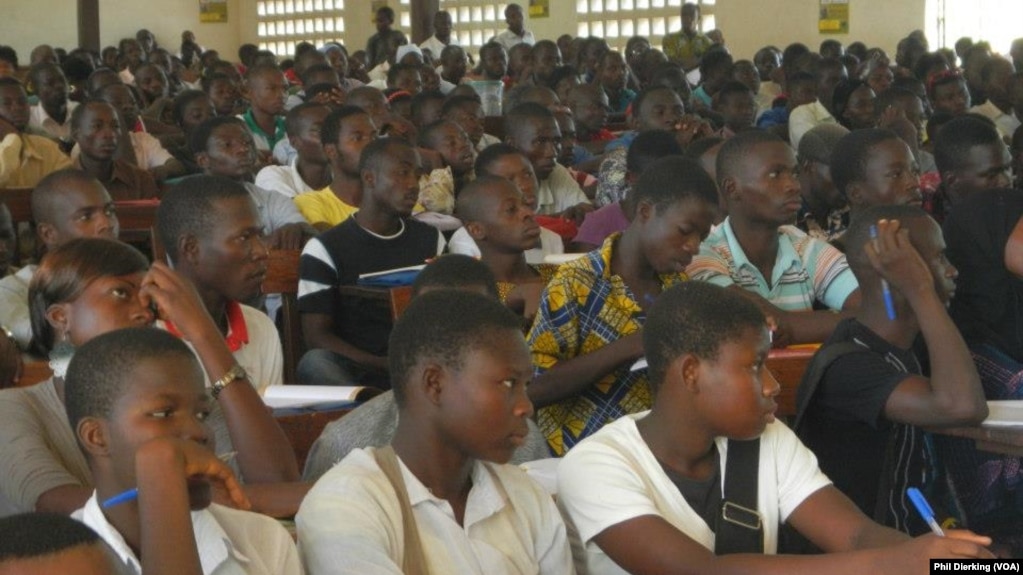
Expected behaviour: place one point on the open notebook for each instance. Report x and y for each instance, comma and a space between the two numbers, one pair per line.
296, 396
1005, 413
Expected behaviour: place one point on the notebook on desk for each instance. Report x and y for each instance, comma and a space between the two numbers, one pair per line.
391, 278
298, 396
1005, 413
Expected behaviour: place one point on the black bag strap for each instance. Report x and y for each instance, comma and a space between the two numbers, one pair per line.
740, 527
814, 373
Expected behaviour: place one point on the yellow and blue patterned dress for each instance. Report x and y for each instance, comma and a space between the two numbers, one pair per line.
584, 308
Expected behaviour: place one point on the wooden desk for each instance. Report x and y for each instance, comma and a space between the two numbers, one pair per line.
303, 429
787, 366
396, 298
1004, 440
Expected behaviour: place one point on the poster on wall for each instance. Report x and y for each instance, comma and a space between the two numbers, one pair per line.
539, 8
212, 11
834, 17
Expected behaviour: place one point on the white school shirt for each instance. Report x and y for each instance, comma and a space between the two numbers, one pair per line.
149, 152
14, 304
284, 180
550, 243
350, 522
507, 38
558, 192
230, 542
39, 119
601, 483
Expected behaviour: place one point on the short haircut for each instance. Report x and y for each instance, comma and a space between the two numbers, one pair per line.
330, 131
696, 148
818, 143
850, 155
493, 153
263, 69
376, 150
467, 206
428, 330
429, 131
455, 103
421, 99
293, 121
800, 77
732, 88
101, 369
672, 179
525, 94
182, 101
207, 81
66, 271
309, 73
955, 139
34, 535
793, 52
200, 137
490, 46
733, 151
50, 190
387, 12
455, 271
521, 115
715, 60
188, 208
858, 233
650, 146
560, 73
35, 71
891, 97
641, 97
9, 55
398, 68
943, 79
695, 318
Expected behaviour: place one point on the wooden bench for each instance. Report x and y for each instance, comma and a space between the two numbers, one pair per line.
303, 429
787, 366
282, 278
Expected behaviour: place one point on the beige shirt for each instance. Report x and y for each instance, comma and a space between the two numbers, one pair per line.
230, 542
350, 522
38, 449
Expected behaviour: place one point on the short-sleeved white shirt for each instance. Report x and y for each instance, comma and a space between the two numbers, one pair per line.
558, 192
350, 522
284, 180
229, 541
612, 477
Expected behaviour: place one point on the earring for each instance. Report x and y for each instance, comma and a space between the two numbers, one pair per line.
60, 355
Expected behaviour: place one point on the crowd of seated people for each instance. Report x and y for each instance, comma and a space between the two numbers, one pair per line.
608, 266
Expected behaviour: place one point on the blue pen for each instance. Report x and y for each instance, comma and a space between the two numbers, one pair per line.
924, 509
123, 497
886, 290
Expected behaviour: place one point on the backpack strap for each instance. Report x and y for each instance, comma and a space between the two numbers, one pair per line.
814, 373
413, 561
740, 527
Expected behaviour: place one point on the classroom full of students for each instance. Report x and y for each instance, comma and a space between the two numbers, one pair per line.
579, 380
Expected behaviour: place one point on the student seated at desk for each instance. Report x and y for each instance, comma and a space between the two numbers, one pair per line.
47, 543
66, 204
662, 492
587, 332
501, 223
372, 424
985, 243
863, 419
223, 147
440, 498
85, 288
344, 134
347, 339
138, 405
24, 158
504, 161
758, 250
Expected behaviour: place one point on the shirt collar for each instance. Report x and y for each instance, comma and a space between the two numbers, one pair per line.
786, 258
485, 498
212, 542
279, 131
237, 330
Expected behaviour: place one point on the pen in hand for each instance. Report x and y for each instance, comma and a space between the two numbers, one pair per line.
886, 290
924, 509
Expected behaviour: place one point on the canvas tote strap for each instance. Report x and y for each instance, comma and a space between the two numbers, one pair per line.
413, 562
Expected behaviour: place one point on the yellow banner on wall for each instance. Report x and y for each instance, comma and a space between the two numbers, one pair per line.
834, 17
212, 11
539, 8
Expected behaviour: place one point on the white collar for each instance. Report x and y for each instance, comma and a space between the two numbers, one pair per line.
485, 497
212, 542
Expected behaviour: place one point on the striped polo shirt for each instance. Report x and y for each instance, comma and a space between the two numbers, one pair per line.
806, 269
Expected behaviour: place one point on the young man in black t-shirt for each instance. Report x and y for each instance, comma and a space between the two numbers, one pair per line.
347, 339
863, 421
